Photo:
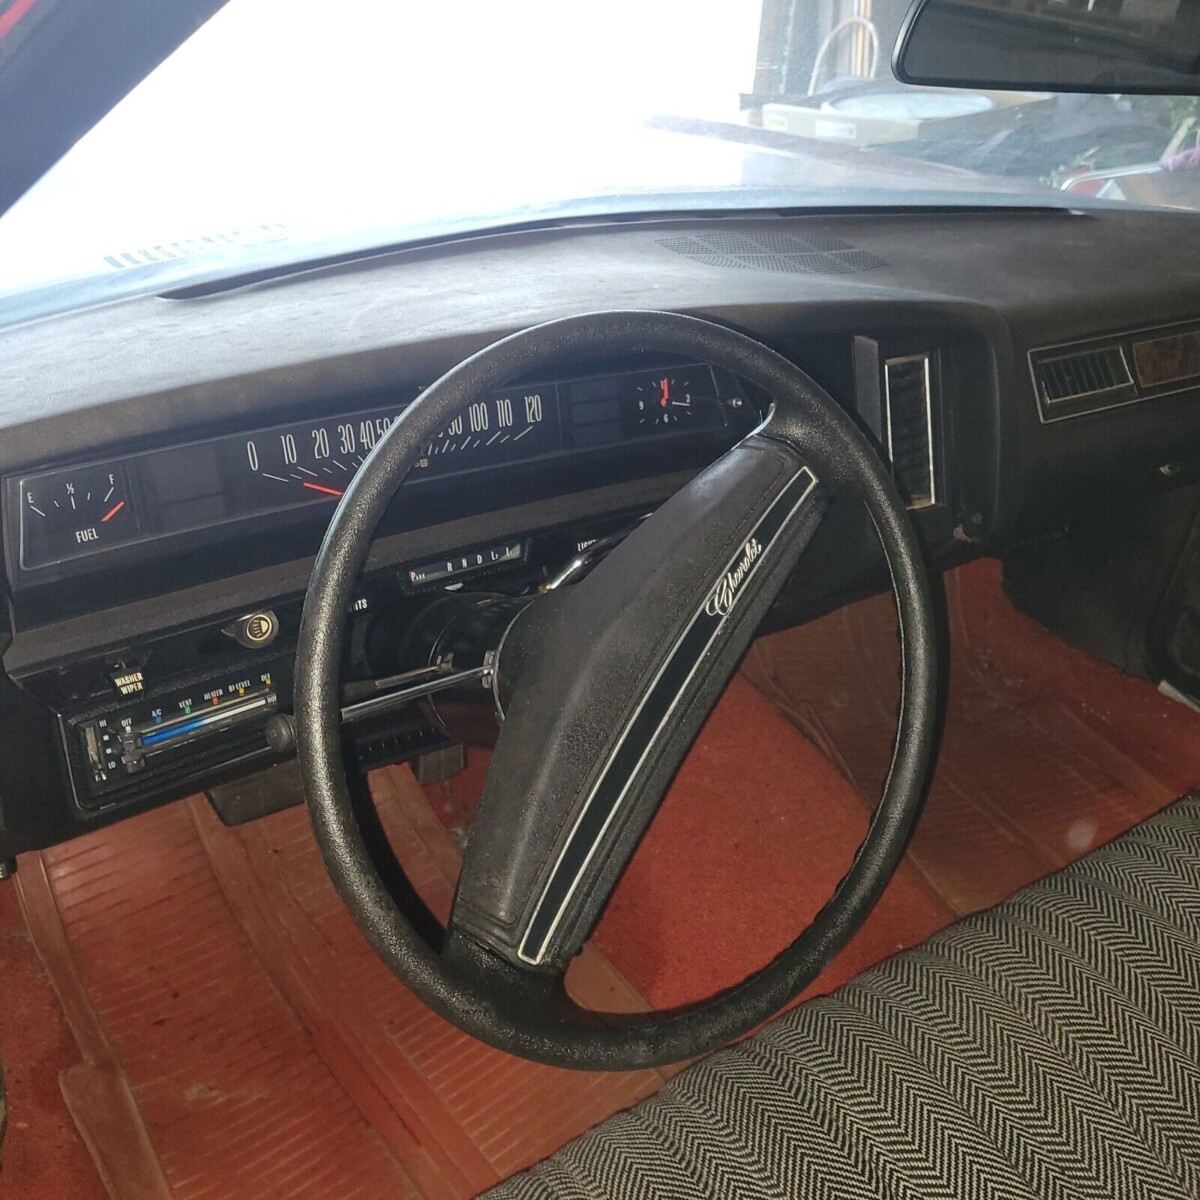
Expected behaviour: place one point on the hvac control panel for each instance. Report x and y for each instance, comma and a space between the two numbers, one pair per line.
121, 744
154, 735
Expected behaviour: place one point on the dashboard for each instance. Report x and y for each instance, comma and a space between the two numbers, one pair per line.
167, 712
168, 465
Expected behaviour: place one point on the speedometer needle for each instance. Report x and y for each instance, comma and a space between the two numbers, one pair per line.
666, 393
112, 512
316, 487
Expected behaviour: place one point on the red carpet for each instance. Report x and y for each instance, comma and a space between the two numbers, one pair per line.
756, 813
1047, 751
750, 842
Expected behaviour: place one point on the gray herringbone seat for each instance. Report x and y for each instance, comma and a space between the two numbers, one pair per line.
1047, 1048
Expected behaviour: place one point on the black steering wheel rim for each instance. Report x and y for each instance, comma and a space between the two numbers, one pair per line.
468, 985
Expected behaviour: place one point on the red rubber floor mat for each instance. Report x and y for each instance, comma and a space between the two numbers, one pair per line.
1047, 752
43, 1155
213, 977
240, 1038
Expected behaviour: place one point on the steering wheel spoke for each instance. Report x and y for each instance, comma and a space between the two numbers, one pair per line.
615, 676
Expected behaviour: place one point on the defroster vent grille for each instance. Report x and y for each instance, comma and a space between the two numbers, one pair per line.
787, 253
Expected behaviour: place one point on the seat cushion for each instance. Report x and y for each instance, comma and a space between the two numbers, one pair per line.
1049, 1047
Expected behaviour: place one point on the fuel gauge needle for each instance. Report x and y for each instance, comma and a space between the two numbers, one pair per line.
112, 512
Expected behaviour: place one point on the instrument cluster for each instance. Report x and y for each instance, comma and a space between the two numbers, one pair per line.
73, 513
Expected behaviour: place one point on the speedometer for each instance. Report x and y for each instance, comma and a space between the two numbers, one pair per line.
502, 427
315, 460
319, 457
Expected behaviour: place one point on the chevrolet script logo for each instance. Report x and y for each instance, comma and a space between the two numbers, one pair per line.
725, 593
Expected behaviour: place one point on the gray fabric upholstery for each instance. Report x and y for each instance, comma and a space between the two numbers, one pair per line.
1047, 1048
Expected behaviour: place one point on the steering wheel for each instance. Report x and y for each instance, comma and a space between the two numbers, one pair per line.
605, 684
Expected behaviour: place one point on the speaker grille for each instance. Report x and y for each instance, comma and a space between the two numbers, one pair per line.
786, 253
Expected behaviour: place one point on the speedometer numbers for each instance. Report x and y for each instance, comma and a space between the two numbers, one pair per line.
319, 458
77, 511
316, 460
499, 428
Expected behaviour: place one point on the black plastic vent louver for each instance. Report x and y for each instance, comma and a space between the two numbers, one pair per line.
1072, 383
908, 415
787, 253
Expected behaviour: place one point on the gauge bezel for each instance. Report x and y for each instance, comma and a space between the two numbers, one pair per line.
635, 458
82, 549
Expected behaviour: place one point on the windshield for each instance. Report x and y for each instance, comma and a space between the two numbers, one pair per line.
284, 132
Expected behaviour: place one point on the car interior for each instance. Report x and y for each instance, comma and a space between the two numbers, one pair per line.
602, 604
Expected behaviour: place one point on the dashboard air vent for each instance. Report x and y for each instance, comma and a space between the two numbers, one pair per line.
1070, 383
908, 415
789, 253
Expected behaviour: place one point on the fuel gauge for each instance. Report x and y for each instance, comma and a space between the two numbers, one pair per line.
73, 512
